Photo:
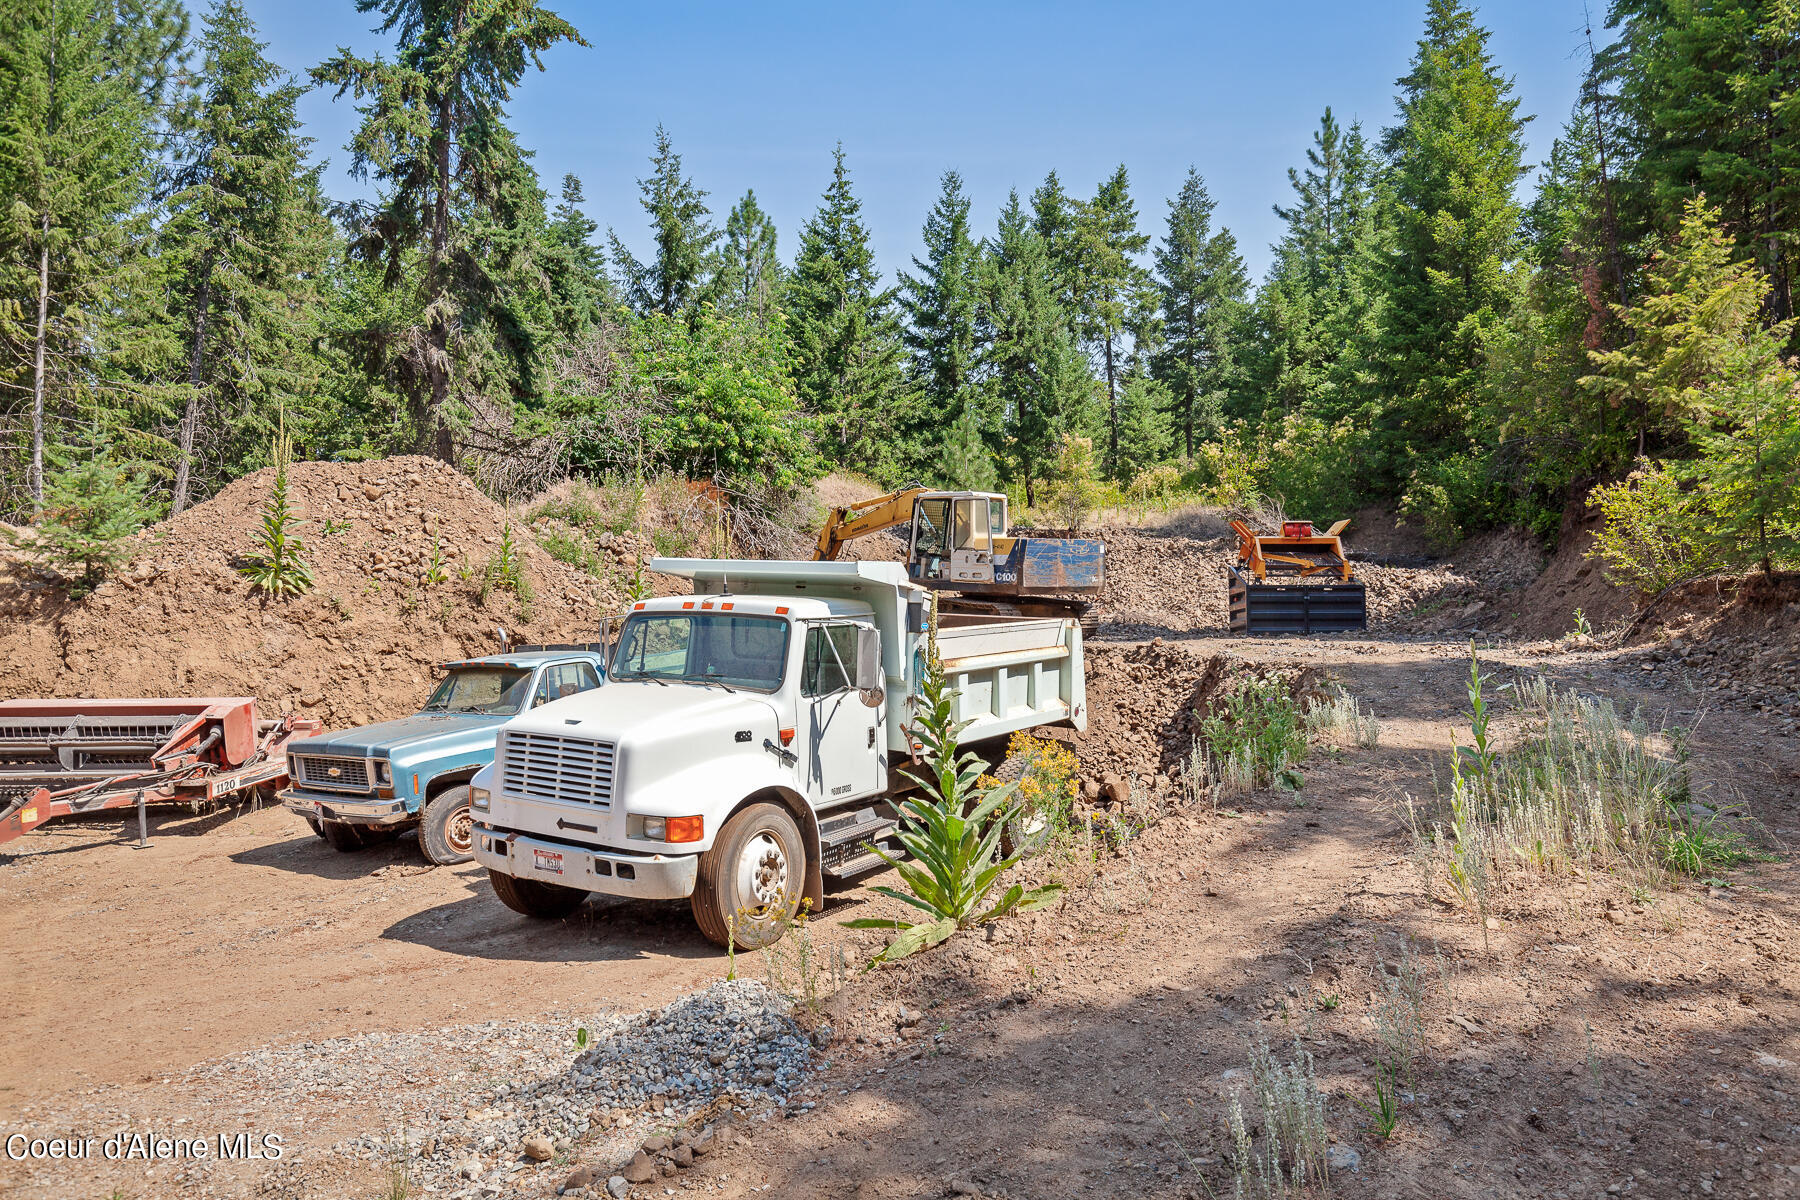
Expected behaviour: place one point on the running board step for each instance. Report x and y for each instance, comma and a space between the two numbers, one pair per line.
842, 838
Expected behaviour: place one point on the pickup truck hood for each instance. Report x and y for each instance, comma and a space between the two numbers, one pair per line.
443, 732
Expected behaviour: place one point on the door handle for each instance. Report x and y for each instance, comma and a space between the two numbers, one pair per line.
871, 737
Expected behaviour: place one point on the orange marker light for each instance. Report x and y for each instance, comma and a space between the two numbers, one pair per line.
638, 607
684, 829
415, 783
781, 610
787, 737
687, 604
726, 606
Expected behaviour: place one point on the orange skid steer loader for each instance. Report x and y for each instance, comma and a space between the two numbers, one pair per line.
1296, 581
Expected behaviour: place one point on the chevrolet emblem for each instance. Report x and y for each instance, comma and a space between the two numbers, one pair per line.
334, 772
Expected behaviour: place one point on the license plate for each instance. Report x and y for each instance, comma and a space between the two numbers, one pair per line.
547, 860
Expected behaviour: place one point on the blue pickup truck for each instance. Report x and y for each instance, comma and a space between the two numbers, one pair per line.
357, 785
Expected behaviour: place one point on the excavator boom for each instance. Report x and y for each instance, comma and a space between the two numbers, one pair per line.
852, 521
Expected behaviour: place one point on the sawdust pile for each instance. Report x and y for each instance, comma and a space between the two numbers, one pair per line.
181, 620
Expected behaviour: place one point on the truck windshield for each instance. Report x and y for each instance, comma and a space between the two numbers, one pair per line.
737, 651
480, 690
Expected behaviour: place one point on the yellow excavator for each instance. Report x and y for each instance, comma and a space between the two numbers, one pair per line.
956, 542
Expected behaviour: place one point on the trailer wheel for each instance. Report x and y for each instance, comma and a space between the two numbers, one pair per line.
447, 828
342, 837
530, 898
750, 882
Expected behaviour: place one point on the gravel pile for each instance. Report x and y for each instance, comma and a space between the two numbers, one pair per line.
474, 1111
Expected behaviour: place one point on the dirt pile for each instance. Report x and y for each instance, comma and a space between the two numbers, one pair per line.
1146, 704
400, 552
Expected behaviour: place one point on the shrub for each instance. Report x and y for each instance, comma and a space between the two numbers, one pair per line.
1049, 782
1074, 485
1292, 1111
1654, 536
951, 827
1254, 734
1450, 496
92, 507
280, 568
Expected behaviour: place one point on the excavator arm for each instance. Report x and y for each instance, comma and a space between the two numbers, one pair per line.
852, 521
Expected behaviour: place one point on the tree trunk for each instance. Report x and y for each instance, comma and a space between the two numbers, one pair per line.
191, 416
41, 335
437, 370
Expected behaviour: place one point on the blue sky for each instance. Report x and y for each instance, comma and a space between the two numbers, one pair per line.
756, 94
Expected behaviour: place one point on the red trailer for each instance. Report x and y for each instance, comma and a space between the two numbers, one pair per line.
59, 757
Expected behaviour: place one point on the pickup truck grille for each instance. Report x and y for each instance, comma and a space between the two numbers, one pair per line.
545, 766
339, 774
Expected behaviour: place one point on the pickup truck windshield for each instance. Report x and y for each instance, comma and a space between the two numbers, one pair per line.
480, 690
726, 648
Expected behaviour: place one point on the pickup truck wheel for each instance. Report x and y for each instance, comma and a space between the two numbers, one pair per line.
447, 829
750, 882
534, 899
342, 837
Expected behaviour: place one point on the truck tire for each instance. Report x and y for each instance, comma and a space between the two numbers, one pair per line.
750, 882
530, 898
342, 837
447, 829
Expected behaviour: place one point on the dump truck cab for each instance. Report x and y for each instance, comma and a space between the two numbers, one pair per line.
415, 770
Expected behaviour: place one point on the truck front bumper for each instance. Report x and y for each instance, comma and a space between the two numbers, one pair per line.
609, 872
320, 806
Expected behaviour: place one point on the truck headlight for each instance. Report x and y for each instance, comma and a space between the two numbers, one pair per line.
382, 775
478, 798
665, 829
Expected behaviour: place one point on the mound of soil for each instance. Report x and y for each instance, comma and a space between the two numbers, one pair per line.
1146, 703
181, 619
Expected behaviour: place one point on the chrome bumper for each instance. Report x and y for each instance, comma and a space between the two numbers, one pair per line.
609, 872
322, 807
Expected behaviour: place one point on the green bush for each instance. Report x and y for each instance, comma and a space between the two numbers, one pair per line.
1654, 535
280, 568
1450, 497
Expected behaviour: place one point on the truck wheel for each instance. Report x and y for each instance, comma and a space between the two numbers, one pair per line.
750, 882
447, 829
534, 899
342, 837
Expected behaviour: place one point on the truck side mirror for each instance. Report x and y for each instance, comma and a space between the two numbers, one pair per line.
871, 680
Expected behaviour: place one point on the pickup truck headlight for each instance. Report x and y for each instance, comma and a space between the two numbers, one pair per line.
478, 798
383, 776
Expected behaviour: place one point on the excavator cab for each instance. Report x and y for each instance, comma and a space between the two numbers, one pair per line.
955, 536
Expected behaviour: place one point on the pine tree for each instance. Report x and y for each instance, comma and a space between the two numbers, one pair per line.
684, 236
1456, 155
1112, 290
940, 303
1053, 215
458, 193
575, 264
1203, 288
845, 336
1710, 97
749, 276
1038, 374
1144, 406
246, 237
74, 169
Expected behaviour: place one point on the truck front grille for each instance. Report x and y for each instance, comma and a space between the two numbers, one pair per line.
545, 766
338, 774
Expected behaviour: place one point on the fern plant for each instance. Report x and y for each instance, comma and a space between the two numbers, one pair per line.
951, 828
280, 568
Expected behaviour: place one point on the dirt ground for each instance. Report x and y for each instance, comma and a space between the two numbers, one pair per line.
1594, 1040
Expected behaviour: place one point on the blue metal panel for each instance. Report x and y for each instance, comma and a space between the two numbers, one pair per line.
1060, 564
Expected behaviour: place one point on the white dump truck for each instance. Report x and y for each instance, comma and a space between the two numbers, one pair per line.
749, 741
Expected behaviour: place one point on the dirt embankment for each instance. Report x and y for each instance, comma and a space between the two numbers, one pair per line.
400, 553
